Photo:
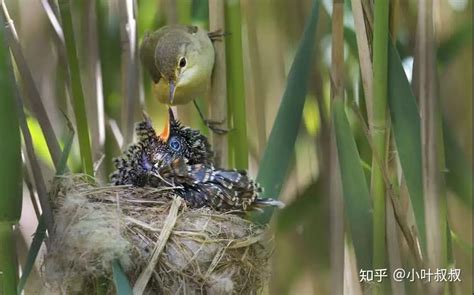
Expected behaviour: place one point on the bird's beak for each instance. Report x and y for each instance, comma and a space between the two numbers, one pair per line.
172, 89
166, 131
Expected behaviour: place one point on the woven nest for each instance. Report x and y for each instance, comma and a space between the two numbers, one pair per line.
163, 246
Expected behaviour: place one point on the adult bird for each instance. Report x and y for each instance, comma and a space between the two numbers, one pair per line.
180, 59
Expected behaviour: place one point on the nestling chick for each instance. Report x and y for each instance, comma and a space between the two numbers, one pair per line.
182, 157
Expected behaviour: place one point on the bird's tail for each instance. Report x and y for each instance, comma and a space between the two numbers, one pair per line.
267, 202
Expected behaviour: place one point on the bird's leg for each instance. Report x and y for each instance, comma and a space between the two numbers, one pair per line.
211, 123
217, 35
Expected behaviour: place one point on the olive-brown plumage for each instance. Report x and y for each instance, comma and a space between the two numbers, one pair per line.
180, 60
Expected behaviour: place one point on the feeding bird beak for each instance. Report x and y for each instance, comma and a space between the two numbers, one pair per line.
172, 89
166, 131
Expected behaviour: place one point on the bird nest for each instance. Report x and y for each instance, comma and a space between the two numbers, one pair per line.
163, 246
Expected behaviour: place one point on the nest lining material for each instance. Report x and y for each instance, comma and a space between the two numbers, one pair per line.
163, 246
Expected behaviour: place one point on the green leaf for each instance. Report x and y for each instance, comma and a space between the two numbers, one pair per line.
122, 285
355, 189
406, 128
280, 147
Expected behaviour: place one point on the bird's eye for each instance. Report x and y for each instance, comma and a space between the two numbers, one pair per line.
182, 62
175, 144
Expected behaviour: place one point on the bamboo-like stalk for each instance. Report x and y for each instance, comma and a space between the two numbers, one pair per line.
218, 95
338, 266
8, 264
76, 87
378, 129
435, 203
238, 146
10, 170
9, 214
393, 238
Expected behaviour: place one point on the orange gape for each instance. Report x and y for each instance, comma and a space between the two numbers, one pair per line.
165, 134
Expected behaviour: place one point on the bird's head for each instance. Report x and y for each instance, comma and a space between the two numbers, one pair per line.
172, 136
174, 56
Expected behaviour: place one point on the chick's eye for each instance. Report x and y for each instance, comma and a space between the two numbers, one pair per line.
175, 144
182, 62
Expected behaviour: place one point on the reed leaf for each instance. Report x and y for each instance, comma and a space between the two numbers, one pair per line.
355, 189
406, 129
76, 86
280, 146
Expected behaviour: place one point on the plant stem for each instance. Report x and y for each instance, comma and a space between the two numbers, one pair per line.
378, 126
218, 101
431, 143
76, 86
